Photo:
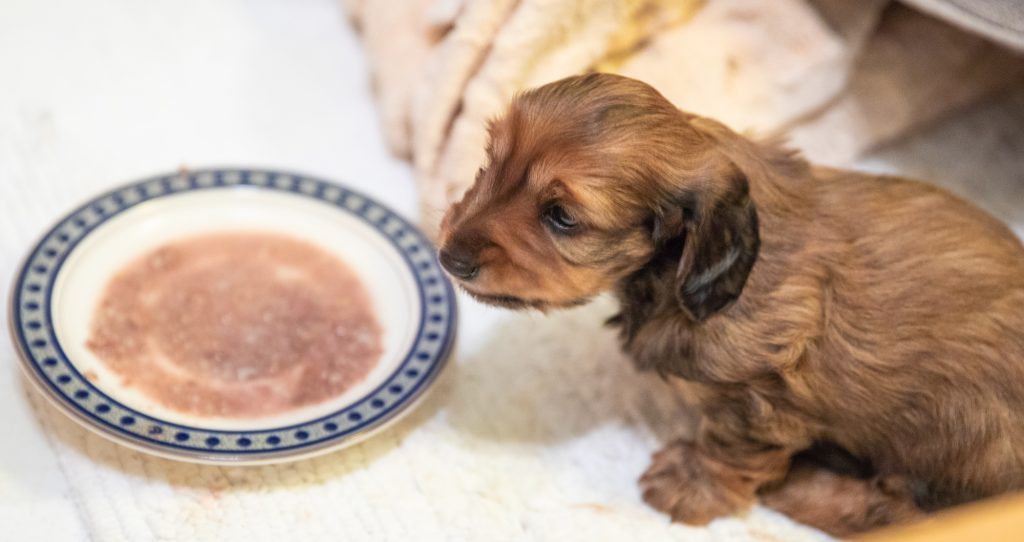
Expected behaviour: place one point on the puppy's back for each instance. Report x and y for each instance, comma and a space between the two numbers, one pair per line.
905, 229
928, 295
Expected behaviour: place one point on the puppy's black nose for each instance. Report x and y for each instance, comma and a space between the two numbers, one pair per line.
459, 265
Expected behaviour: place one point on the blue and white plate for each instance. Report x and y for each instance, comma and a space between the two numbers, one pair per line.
59, 285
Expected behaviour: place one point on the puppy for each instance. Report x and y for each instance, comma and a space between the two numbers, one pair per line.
802, 308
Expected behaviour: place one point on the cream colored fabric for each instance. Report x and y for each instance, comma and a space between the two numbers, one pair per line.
838, 77
998, 20
895, 87
397, 57
747, 66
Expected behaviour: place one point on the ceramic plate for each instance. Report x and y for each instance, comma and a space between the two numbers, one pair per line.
61, 283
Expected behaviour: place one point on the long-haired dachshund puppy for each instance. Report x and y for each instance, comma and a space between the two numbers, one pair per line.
855, 344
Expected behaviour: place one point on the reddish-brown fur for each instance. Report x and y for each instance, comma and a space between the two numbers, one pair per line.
882, 316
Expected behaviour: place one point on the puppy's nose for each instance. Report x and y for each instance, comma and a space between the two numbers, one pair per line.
459, 265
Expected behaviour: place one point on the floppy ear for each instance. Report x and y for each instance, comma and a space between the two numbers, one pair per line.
720, 246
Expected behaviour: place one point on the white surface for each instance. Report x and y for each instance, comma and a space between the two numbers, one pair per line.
538, 431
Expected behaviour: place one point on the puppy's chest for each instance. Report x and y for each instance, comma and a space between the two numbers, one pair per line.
663, 341
659, 335
665, 349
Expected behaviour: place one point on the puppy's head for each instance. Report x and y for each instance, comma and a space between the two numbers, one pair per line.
589, 179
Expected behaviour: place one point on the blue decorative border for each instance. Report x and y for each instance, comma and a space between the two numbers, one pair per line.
43, 355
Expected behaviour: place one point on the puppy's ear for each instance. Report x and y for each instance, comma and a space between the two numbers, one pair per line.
720, 244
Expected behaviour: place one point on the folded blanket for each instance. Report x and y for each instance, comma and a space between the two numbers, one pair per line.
999, 20
837, 77
913, 70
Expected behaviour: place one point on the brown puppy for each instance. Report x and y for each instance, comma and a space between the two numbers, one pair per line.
803, 309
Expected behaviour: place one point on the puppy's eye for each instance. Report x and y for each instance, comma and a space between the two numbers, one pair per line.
560, 219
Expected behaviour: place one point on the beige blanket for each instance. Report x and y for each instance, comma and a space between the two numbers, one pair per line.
837, 77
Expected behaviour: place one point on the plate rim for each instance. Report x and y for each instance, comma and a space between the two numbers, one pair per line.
32, 365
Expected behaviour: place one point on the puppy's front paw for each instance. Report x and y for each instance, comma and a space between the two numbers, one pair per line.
691, 489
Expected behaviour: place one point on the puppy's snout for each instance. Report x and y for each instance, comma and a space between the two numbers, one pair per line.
460, 264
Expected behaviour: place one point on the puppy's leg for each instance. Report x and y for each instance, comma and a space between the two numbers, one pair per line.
718, 474
842, 505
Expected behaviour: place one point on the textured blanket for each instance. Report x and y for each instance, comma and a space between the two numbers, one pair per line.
836, 77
